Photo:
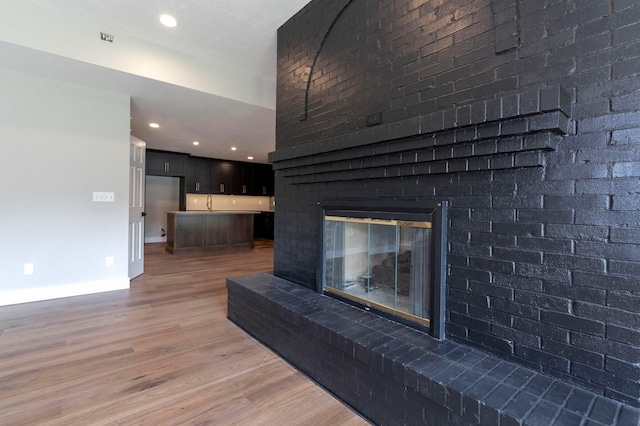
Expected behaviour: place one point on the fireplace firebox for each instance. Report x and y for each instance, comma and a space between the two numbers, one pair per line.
389, 259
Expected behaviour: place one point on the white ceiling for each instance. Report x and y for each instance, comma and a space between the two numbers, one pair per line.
238, 36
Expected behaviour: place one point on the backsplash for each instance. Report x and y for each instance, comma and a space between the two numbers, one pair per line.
230, 202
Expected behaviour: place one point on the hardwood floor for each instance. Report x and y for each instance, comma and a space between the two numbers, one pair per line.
161, 353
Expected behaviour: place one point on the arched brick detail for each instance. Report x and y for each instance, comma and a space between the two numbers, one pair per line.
303, 116
506, 24
506, 36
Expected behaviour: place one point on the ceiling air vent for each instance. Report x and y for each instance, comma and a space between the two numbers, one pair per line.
106, 37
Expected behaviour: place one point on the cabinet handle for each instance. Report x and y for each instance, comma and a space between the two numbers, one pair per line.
197, 186
264, 190
244, 189
166, 167
222, 187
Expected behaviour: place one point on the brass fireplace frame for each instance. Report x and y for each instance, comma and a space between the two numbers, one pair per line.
407, 213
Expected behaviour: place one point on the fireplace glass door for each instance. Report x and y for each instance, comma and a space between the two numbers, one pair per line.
380, 263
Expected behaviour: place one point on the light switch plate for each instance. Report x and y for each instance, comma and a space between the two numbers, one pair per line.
104, 197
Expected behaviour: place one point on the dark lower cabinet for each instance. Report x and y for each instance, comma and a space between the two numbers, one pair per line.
263, 225
195, 231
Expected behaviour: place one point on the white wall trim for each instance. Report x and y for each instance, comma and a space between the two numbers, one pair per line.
155, 240
26, 295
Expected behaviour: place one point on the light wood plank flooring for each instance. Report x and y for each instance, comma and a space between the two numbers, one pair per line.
161, 353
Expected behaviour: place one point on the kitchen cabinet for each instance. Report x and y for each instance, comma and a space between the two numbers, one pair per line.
243, 179
263, 225
263, 178
212, 176
195, 231
198, 175
222, 174
164, 163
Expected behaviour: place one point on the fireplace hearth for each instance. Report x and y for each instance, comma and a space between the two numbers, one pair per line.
394, 374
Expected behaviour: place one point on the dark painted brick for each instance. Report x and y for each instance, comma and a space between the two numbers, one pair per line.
544, 244
575, 262
492, 265
518, 407
629, 416
526, 229
543, 414
582, 356
577, 232
576, 57
572, 322
586, 201
623, 335
557, 363
569, 418
545, 216
517, 255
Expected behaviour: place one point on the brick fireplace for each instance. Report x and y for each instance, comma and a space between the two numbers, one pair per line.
523, 117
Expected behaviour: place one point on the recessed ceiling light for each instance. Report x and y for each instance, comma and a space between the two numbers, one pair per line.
233, 148
249, 158
168, 21
196, 143
154, 125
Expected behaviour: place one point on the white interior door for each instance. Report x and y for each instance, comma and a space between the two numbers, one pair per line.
136, 207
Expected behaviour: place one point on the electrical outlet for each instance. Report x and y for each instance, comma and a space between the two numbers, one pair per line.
374, 119
28, 268
104, 197
109, 261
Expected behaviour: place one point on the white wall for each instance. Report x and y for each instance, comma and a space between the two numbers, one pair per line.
60, 142
27, 25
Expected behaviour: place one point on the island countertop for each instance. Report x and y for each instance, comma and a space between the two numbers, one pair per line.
204, 230
215, 212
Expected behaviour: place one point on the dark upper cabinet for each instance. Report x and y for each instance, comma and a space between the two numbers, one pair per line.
243, 179
198, 175
211, 176
222, 174
263, 178
163, 163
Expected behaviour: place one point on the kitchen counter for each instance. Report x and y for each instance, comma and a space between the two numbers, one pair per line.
216, 212
203, 231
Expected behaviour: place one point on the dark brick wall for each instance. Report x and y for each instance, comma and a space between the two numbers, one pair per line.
525, 116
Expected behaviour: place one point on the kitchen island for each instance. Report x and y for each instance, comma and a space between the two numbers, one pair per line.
201, 231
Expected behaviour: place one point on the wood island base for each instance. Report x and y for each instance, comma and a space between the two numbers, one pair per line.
204, 231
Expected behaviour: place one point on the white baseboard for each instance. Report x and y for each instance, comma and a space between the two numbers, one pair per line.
26, 295
148, 240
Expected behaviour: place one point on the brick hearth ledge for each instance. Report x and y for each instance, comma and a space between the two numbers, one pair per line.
393, 374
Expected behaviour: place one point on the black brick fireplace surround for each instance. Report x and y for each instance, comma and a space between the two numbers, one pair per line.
524, 117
